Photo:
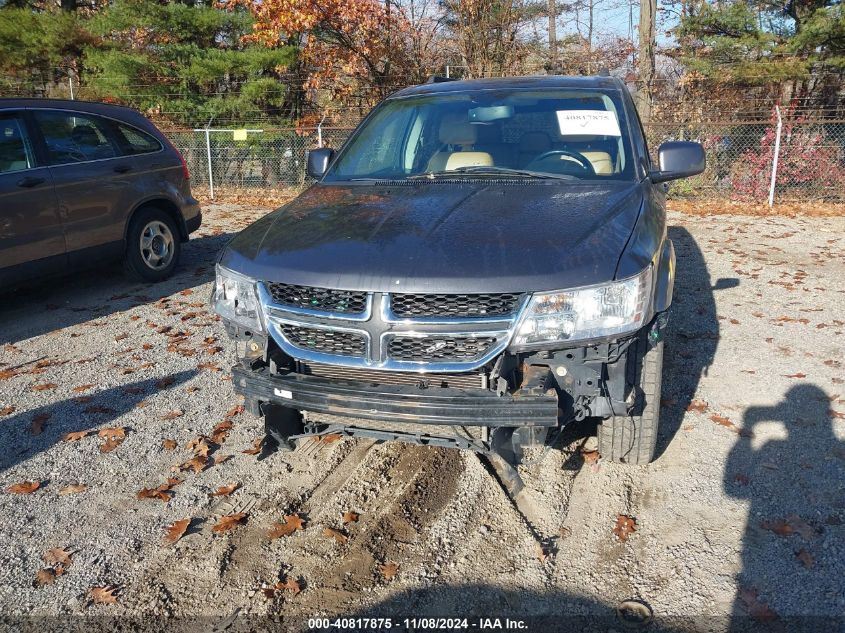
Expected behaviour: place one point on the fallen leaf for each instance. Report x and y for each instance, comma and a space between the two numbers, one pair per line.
806, 558
721, 420
256, 447
236, 410
103, 595
82, 388
169, 444
46, 576
798, 375
116, 432
792, 524
698, 406
221, 431
337, 535
388, 570
114, 437
44, 387
38, 421
73, 489
350, 517
757, 609
229, 522
24, 488
172, 415
57, 556
590, 457
75, 436
165, 382
540, 553
164, 492
197, 464
225, 491
176, 531
293, 522
625, 526
220, 459
7, 410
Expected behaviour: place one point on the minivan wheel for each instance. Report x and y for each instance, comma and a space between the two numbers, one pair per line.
152, 245
632, 439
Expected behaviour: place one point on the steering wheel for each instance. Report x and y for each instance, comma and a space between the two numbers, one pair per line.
576, 157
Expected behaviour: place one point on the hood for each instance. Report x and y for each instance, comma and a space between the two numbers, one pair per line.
472, 236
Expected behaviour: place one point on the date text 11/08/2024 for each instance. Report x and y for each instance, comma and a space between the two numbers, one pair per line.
416, 624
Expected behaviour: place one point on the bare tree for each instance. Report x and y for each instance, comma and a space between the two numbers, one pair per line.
489, 34
647, 45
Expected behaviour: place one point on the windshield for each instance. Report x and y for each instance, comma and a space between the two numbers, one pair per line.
566, 133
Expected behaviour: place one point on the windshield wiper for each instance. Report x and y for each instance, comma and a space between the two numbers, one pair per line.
489, 170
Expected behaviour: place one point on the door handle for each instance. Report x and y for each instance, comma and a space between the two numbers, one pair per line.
122, 169
30, 181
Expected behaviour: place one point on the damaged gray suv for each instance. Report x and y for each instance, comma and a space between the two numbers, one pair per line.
482, 263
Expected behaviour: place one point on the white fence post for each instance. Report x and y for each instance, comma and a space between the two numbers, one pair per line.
775, 159
208, 152
320, 132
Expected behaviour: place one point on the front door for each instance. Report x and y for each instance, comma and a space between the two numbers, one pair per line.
32, 241
93, 181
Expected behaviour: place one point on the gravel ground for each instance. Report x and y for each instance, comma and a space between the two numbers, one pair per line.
739, 521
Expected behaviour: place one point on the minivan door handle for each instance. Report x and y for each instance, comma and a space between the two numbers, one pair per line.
30, 181
122, 169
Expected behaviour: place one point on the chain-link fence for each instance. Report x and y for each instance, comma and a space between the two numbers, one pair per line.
794, 161
810, 162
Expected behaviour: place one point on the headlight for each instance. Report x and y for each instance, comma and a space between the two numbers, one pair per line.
618, 307
236, 300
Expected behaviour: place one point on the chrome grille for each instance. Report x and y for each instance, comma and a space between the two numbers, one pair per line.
439, 348
322, 299
454, 305
337, 343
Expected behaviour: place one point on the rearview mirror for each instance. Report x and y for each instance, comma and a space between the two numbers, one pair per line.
318, 161
679, 159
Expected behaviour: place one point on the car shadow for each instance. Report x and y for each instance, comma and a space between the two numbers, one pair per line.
34, 431
49, 304
692, 335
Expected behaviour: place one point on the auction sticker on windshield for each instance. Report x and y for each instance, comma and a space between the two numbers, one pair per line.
590, 122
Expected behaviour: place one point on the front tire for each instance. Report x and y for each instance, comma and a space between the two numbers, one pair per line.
632, 439
153, 245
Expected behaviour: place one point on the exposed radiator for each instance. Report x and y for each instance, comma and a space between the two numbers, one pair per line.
474, 380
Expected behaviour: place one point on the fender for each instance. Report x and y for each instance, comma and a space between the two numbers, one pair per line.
165, 201
665, 282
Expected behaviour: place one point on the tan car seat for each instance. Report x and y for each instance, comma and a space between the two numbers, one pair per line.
468, 159
456, 133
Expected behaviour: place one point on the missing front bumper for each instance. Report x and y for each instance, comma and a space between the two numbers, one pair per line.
397, 403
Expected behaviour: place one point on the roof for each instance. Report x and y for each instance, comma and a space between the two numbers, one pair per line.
538, 82
82, 106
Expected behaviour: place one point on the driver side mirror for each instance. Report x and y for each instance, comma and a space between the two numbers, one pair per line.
317, 162
679, 159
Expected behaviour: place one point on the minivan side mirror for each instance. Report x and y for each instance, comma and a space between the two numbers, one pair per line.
679, 159
318, 161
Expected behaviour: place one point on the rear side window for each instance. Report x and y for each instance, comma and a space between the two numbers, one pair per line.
74, 138
134, 141
15, 153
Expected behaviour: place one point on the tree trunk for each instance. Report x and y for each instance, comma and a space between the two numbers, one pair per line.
553, 35
647, 44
